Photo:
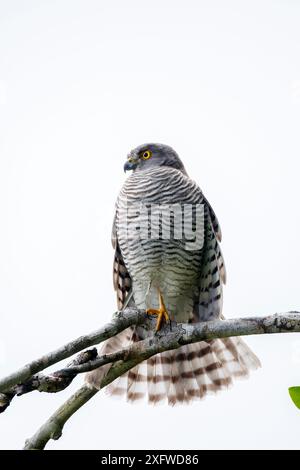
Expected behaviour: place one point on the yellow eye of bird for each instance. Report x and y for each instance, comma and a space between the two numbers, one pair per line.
146, 155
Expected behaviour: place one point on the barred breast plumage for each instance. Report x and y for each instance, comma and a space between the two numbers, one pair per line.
190, 280
154, 262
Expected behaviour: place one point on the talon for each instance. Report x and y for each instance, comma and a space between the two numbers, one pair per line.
161, 312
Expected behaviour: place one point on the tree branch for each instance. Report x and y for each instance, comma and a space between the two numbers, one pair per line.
52, 383
120, 322
56, 381
165, 340
52, 429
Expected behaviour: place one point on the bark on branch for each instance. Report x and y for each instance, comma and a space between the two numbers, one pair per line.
120, 321
127, 358
52, 383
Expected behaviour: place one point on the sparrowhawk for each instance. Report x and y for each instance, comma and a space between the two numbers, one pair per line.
171, 278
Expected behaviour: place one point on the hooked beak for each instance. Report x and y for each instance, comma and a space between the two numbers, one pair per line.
130, 165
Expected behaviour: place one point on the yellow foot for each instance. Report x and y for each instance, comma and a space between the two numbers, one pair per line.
161, 313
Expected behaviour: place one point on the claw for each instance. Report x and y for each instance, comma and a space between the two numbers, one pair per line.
161, 312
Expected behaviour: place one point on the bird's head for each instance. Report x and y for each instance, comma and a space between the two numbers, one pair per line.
148, 156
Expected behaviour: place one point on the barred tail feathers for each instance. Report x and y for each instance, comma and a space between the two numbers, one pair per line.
179, 376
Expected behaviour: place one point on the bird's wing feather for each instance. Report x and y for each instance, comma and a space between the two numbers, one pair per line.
209, 304
214, 220
121, 278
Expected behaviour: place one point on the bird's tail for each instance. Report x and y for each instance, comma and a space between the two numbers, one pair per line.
181, 375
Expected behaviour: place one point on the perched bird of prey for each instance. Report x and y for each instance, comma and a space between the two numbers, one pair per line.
157, 268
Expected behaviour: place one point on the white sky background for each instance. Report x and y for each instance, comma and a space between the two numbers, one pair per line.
83, 82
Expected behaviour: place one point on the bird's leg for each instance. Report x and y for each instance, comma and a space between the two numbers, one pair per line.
161, 312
